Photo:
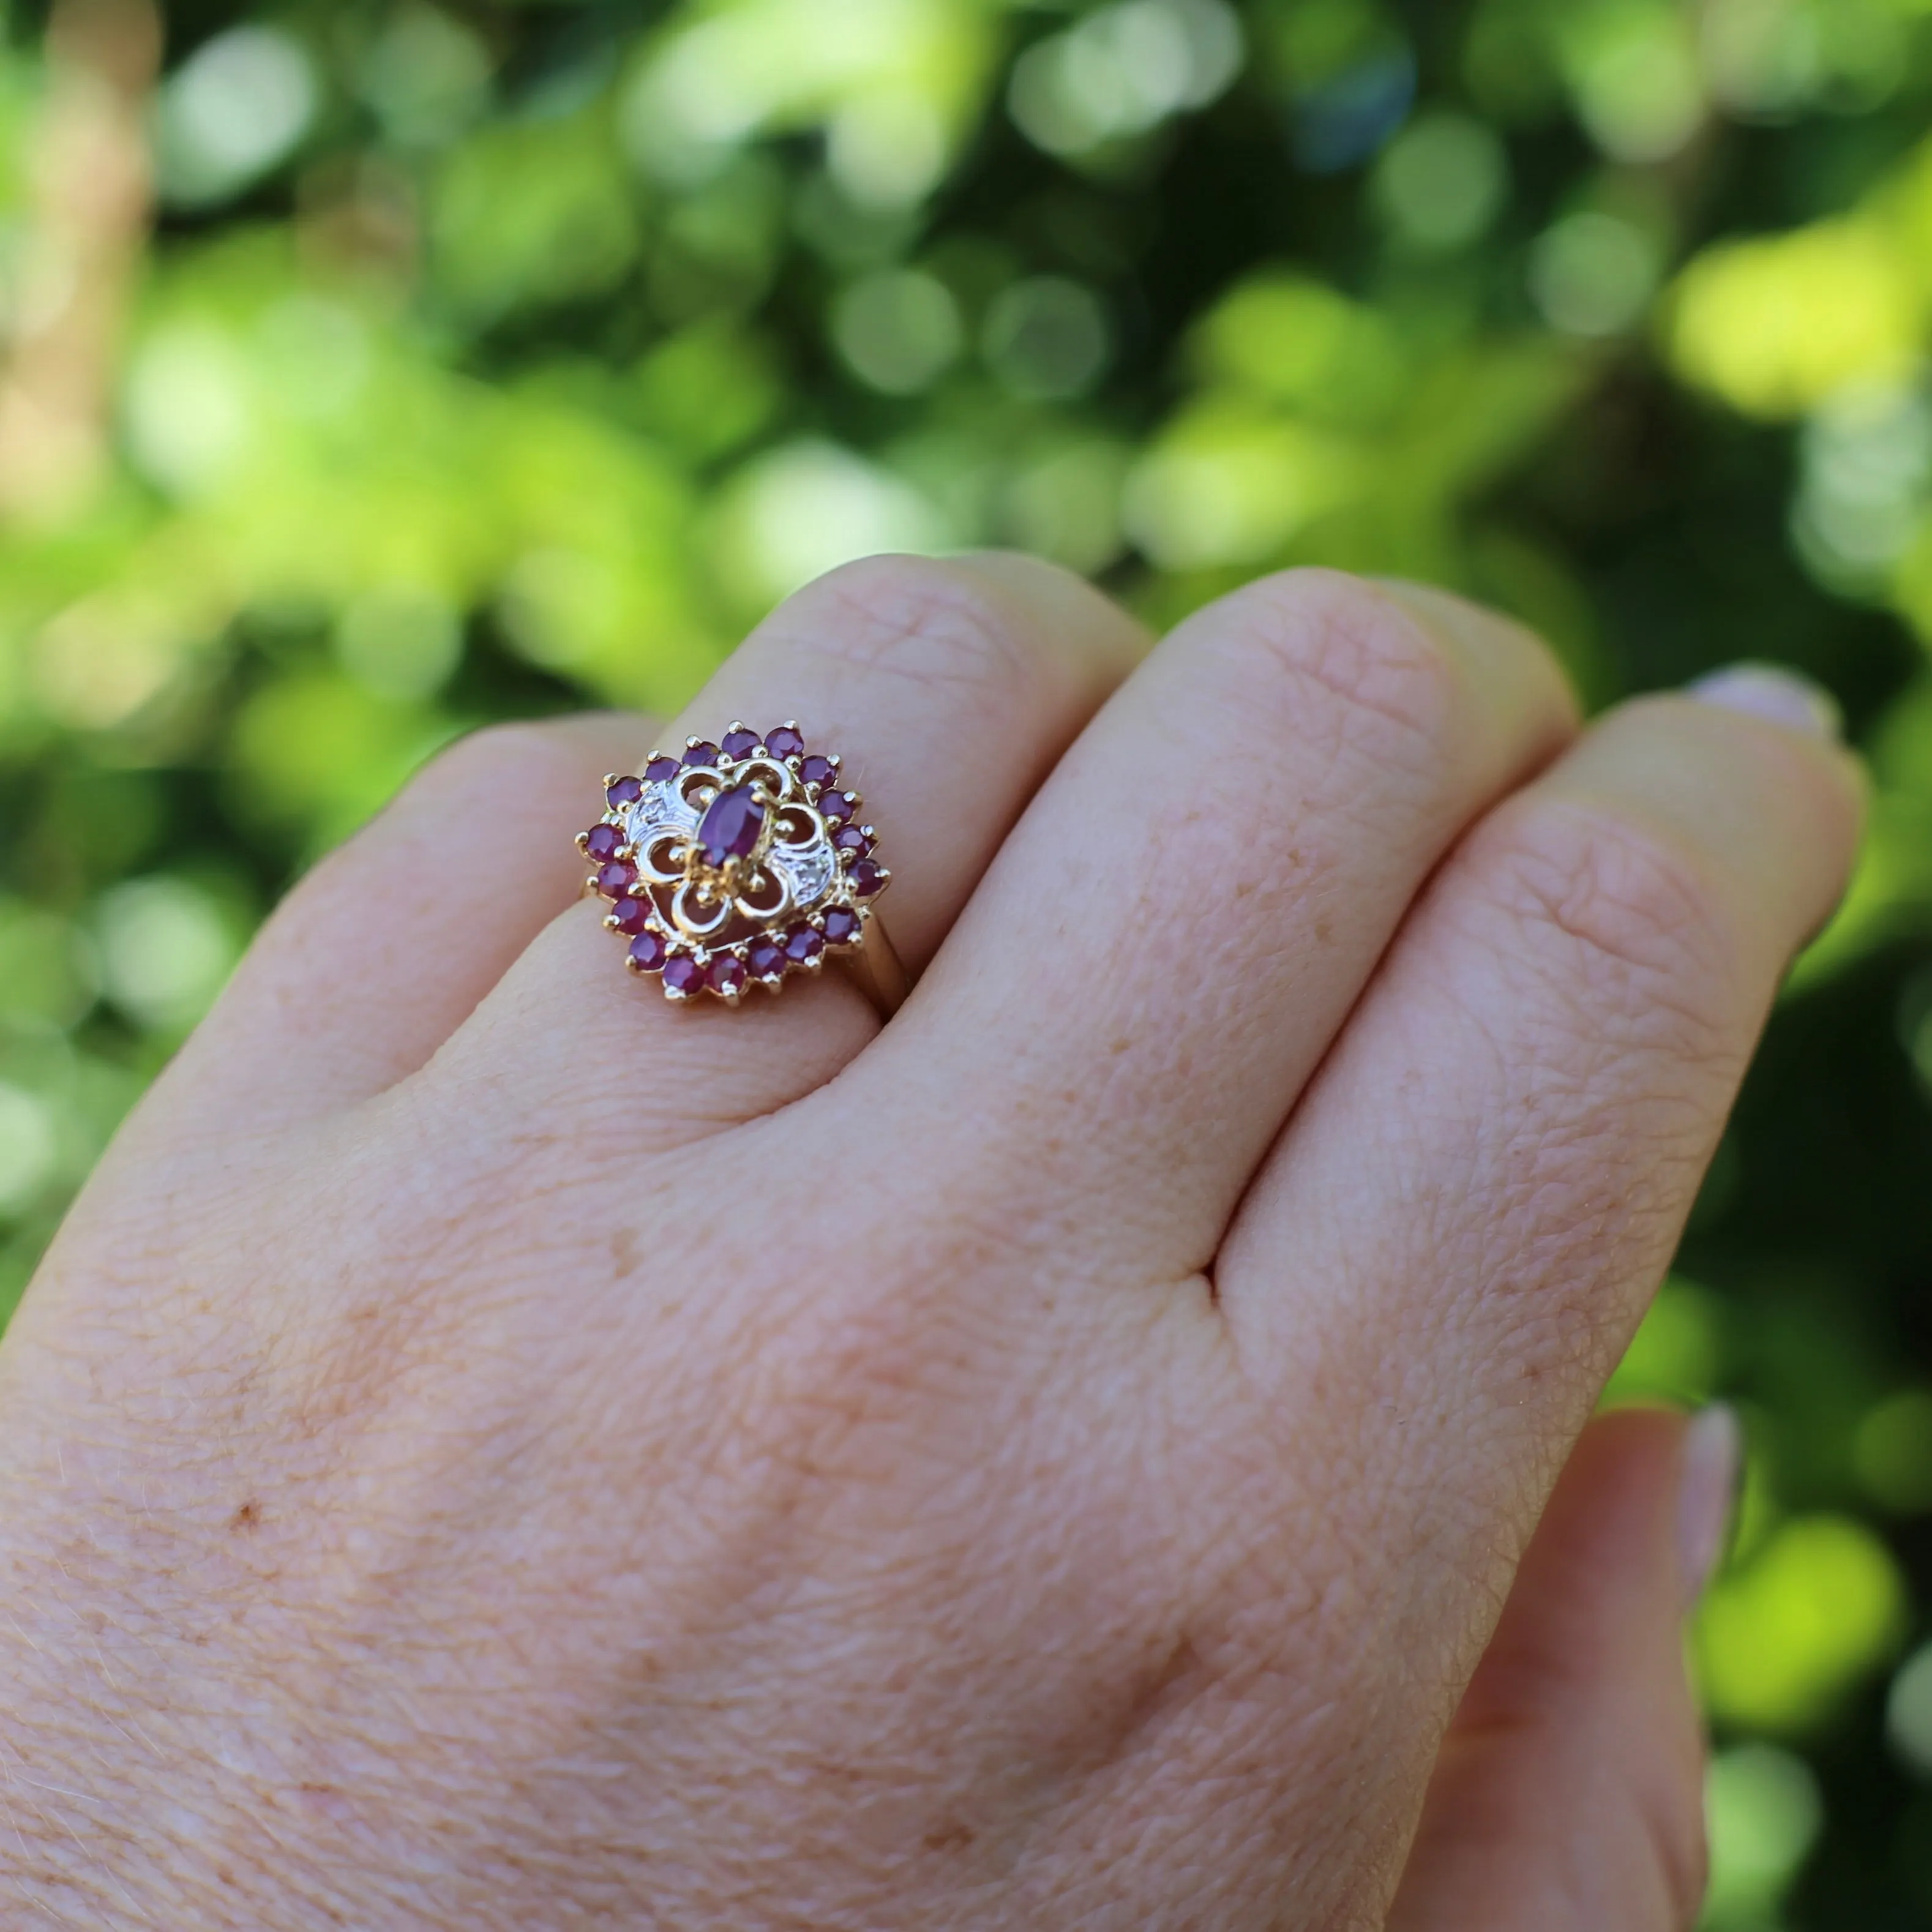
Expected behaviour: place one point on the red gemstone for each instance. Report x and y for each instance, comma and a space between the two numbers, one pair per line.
868, 879
728, 974
740, 744
837, 806
850, 838
662, 771
650, 951
818, 771
617, 878
804, 946
733, 826
682, 974
841, 926
626, 791
632, 916
603, 842
701, 755
784, 743
767, 958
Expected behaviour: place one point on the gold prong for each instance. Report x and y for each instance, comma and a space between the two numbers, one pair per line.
583, 843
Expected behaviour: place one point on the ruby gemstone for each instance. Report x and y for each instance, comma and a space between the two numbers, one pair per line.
682, 974
740, 744
733, 826
767, 957
617, 878
837, 806
818, 771
701, 755
626, 791
662, 771
804, 946
728, 974
784, 743
850, 838
603, 842
650, 951
868, 879
841, 926
632, 916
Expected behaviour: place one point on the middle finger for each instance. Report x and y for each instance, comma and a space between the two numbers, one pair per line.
1177, 928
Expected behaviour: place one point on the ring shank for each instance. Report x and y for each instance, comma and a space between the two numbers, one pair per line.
876, 968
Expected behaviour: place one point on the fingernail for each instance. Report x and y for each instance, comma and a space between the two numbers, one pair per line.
1774, 692
1707, 1490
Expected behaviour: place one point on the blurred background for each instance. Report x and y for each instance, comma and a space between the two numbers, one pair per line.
370, 371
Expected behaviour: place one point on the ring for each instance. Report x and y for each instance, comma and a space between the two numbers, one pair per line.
739, 864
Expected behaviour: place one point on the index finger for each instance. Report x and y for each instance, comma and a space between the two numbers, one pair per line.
1451, 1246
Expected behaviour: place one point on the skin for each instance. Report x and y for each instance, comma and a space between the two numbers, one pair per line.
491, 1450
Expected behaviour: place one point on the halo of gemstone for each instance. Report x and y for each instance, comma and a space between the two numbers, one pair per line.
742, 861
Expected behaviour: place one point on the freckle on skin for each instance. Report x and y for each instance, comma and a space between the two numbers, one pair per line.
627, 1251
248, 1516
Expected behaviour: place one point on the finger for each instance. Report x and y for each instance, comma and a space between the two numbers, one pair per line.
1172, 936
387, 945
1568, 1795
1453, 1242
950, 688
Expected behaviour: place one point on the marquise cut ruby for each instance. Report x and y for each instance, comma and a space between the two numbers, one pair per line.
626, 791
603, 842
784, 743
650, 951
682, 974
732, 826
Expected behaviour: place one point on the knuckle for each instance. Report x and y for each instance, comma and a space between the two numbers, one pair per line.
1627, 921
1350, 662
941, 625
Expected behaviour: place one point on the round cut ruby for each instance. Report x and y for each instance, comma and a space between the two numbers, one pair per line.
650, 951
616, 878
766, 957
804, 945
740, 744
732, 826
701, 754
662, 771
626, 791
784, 743
603, 842
868, 879
837, 806
841, 926
818, 771
727, 975
632, 916
682, 974
850, 838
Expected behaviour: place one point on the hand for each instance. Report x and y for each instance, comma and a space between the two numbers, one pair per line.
491, 1450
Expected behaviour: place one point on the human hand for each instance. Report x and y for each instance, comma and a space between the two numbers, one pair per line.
491, 1450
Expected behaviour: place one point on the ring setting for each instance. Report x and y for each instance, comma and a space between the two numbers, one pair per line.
739, 864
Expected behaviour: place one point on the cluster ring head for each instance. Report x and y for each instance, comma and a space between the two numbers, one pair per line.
734, 864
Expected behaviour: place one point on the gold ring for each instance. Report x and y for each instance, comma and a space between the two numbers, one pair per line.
739, 864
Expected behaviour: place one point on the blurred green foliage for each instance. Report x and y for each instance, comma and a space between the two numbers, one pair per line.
458, 361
